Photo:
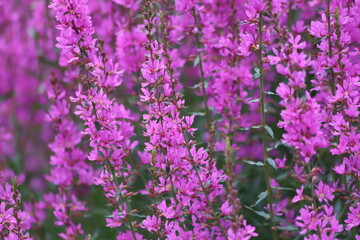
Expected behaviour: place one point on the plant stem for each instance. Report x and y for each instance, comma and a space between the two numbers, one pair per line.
209, 203
312, 186
202, 78
343, 211
122, 200
203, 188
264, 132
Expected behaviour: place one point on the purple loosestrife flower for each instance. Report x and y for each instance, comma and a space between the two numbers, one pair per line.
69, 167
335, 67
188, 70
228, 85
13, 221
164, 129
182, 170
130, 42
353, 219
324, 192
107, 123
350, 166
302, 121
75, 30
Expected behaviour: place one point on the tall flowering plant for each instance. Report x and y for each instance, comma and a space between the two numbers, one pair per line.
185, 119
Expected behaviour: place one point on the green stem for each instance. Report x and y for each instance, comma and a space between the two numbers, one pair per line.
202, 79
312, 186
343, 211
122, 200
264, 132
204, 190
313, 197
209, 203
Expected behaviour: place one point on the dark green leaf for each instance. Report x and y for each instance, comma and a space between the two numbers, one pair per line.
244, 129
196, 61
272, 163
289, 228
198, 113
260, 164
260, 213
270, 131
283, 188
261, 197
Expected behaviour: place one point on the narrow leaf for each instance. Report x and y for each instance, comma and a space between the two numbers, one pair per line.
244, 129
272, 163
270, 131
260, 213
260, 164
270, 93
195, 86
288, 228
196, 61
283, 188
261, 197
254, 100
198, 113
256, 75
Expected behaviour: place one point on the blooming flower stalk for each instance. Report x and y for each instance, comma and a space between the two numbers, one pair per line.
185, 119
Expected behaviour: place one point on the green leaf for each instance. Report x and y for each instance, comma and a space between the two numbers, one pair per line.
261, 197
260, 164
260, 213
196, 61
270, 93
257, 73
272, 163
254, 100
207, 183
283, 188
195, 86
288, 228
198, 113
270, 131
244, 22
277, 144
244, 129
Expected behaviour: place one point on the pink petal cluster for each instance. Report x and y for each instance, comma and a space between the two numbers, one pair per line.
185, 119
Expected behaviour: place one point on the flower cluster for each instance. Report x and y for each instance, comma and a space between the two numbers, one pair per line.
185, 119
69, 167
13, 221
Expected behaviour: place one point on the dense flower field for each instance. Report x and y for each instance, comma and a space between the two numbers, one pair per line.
185, 119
